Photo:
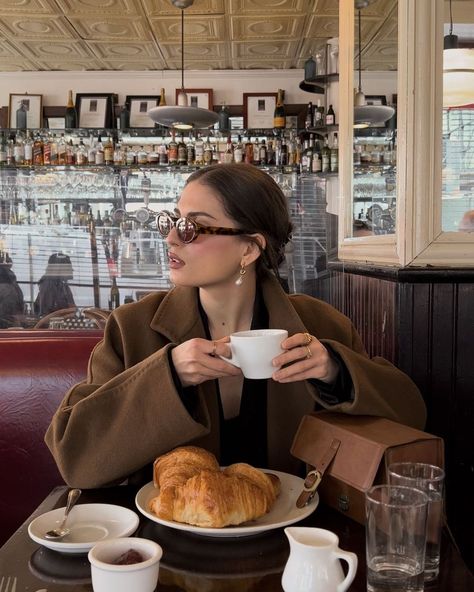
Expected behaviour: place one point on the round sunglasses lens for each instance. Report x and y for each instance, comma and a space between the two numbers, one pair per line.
164, 225
186, 230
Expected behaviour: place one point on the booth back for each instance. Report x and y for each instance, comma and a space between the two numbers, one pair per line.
36, 370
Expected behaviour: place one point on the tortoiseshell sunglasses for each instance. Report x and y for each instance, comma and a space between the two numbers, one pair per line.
188, 229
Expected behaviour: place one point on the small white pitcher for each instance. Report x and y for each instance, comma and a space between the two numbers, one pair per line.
313, 564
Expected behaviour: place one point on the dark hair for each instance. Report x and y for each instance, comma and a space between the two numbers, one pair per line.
254, 200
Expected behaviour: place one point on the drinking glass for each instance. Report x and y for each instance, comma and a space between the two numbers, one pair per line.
430, 479
395, 538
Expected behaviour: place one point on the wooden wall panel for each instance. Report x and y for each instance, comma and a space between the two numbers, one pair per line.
427, 329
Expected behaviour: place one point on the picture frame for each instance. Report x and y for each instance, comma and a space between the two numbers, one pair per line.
34, 106
198, 97
375, 100
95, 110
55, 123
259, 108
139, 105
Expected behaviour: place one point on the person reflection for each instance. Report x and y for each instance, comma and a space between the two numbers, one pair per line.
158, 381
11, 297
54, 291
467, 222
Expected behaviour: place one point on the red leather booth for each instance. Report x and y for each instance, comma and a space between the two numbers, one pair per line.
36, 370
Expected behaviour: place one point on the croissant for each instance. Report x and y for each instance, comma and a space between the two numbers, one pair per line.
195, 491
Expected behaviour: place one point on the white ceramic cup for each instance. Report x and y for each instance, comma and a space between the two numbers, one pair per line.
253, 351
139, 577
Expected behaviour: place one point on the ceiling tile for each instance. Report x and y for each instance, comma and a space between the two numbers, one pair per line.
29, 7
140, 65
164, 7
45, 50
193, 51
18, 64
168, 29
266, 27
35, 27
102, 27
264, 50
71, 64
123, 50
263, 7
109, 7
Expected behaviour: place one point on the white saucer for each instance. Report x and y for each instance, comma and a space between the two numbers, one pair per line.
89, 523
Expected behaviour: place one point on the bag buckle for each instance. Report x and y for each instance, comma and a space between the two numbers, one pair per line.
311, 482
313, 478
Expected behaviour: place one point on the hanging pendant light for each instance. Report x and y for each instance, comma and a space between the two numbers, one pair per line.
458, 70
181, 116
367, 115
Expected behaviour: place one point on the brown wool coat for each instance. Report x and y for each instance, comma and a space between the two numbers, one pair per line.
127, 411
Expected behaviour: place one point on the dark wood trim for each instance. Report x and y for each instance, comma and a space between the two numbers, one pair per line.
406, 274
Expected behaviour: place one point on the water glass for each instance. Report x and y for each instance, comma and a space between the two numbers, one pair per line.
395, 538
430, 479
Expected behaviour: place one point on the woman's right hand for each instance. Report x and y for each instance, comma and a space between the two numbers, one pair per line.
197, 360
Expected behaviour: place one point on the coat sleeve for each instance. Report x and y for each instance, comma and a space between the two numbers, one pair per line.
119, 419
379, 387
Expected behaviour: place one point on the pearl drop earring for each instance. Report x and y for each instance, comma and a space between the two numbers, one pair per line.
242, 272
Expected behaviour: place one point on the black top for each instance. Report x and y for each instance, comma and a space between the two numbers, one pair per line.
244, 437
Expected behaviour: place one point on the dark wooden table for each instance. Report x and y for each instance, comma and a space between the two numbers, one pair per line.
192, 563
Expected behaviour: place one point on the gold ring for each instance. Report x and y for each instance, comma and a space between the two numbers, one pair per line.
308, 337
309, 354
214, 348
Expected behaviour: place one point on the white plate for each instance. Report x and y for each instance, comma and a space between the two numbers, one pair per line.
89, 523
283, 512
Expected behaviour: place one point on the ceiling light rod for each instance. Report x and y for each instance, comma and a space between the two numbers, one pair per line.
181, 116
450, 41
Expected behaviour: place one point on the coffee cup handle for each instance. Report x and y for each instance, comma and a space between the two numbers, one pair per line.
351, 559
233, 358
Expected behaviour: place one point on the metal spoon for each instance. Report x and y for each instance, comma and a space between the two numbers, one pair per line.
61, 531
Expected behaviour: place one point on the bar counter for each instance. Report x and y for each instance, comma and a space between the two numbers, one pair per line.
194, 563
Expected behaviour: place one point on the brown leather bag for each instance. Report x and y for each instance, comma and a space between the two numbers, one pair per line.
347, 454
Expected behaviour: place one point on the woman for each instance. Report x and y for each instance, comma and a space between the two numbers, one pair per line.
156, 380
11, 297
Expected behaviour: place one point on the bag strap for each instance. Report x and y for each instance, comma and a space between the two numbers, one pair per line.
313, 478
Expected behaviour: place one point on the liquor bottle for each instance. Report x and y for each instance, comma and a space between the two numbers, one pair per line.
283, 152
81, 154
114, 300
46, 151
334, 156
71, 113
308, 122
270, 152
306, 158
109, 151
182, 152
208, 152
223, 121
190, 153
62, 150
262, 152
279, 117
317, 164
162, 102
99, 152
38, 151
119, 155
248, 151
239, 150
21, 116
229, 152
70, 153
318, 119
330, 116
173, 150
11, 150
19, 150
199, 150
163, 154
3, 150
125, 117
53, 147
325, 157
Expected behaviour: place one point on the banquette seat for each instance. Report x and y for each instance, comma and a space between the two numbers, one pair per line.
37, 367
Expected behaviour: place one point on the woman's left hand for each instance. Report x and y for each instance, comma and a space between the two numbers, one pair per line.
306, 357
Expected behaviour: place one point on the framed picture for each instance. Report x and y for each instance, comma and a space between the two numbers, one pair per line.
375, 100
33, 105
95, 110
54, 122
139, 107
198, 97
258, 110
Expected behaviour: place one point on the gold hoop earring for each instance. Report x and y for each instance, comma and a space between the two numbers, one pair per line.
242, 272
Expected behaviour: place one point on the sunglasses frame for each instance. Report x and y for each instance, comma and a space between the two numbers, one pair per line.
198, 228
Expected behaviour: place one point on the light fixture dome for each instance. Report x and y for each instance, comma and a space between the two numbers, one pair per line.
181, 116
